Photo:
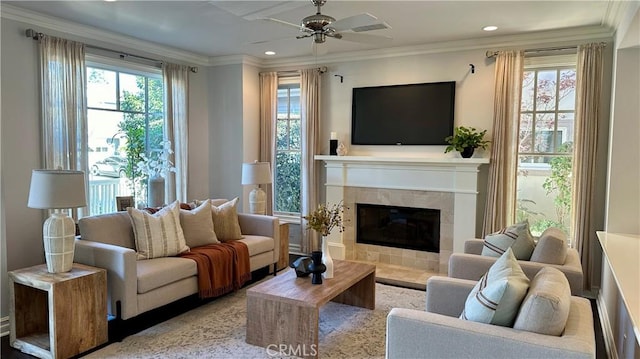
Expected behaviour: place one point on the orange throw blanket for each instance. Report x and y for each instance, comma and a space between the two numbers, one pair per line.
222, 267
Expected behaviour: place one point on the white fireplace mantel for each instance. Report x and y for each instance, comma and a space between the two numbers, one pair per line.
433, 174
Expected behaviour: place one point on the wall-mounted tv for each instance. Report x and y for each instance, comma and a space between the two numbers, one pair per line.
414, 114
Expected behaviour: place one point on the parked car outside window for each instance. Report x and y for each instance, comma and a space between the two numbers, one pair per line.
112, 166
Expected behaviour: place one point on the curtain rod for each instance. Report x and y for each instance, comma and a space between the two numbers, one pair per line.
291, 73
39, 35
489, 54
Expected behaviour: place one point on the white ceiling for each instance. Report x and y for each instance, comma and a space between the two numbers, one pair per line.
222, 28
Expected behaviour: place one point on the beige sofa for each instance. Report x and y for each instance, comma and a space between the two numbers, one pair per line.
439, 333
136, 286
472, 265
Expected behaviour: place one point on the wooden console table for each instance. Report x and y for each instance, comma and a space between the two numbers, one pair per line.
57, 315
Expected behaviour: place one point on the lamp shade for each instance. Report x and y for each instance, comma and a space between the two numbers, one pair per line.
256, 173
57, 189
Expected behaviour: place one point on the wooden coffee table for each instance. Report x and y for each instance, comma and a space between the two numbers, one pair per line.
282, 313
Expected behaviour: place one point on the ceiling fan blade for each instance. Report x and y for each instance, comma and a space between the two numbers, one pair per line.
365, 38
359, 23
282, 22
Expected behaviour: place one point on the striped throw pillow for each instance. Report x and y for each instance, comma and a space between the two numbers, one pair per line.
496, 297
159, 234
517, 237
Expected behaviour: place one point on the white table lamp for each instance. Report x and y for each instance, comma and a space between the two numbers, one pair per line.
58, 190
256, 173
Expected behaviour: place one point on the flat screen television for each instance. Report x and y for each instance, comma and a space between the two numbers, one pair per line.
414, 114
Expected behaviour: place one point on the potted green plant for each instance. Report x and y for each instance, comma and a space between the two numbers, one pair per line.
465, 140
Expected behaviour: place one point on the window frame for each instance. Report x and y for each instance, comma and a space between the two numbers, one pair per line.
128, 68
289, 82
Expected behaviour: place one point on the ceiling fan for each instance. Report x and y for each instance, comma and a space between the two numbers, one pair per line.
320, 26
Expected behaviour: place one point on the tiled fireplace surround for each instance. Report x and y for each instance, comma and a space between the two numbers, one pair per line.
447, 184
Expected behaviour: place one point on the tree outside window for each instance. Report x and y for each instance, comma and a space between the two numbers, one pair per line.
125, 120
288, 151
545, 148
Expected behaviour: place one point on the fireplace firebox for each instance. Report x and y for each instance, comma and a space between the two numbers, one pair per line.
400, 227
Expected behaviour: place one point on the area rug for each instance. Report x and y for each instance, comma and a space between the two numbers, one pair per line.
217, 330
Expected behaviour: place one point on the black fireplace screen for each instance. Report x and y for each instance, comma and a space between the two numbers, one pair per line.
400, 227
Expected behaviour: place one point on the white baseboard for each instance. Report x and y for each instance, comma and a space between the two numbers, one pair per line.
607, 333
4, 326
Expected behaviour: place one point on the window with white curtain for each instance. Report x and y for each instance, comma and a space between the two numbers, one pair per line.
125, 123
546, 133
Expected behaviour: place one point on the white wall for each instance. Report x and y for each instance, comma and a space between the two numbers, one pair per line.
623, 208
250, 122
225, 130
20, 151
474, 93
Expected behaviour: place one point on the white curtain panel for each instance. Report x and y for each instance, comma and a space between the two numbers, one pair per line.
64, 105
176, 104
588, 94
310, 113
268, 115
501, 188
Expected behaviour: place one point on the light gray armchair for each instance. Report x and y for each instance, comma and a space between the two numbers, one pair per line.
472, 265
439, 333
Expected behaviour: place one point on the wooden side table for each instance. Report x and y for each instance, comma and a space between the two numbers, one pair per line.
57, 315
283, 262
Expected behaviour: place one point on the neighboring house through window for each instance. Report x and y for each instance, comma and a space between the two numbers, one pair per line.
545, 143
125, 120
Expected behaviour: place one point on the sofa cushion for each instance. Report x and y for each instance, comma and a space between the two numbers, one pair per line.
496, 298
197, 226
225, 221
158, 272
517, 237
258, 244
112, 228
159, 234
545, 308
551, 247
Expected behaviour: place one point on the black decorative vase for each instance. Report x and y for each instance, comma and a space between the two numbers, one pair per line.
467, 152
316, 267
301, 265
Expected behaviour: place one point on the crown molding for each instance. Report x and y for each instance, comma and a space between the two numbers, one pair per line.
565, 36
132, 44
235, 60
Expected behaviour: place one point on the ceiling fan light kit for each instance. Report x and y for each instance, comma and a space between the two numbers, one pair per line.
320, 26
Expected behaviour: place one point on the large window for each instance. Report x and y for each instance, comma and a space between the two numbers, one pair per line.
125, 121
545, 147
288, 151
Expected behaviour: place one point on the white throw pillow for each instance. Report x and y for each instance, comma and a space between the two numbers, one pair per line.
197, 225
159, 234
545, 309
517, 237
496, 297
225, 221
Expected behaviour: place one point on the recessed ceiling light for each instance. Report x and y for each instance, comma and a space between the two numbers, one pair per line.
269, 53
490, 28
110, 0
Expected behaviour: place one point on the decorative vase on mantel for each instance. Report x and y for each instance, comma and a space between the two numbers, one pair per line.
155, 191
326, 259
